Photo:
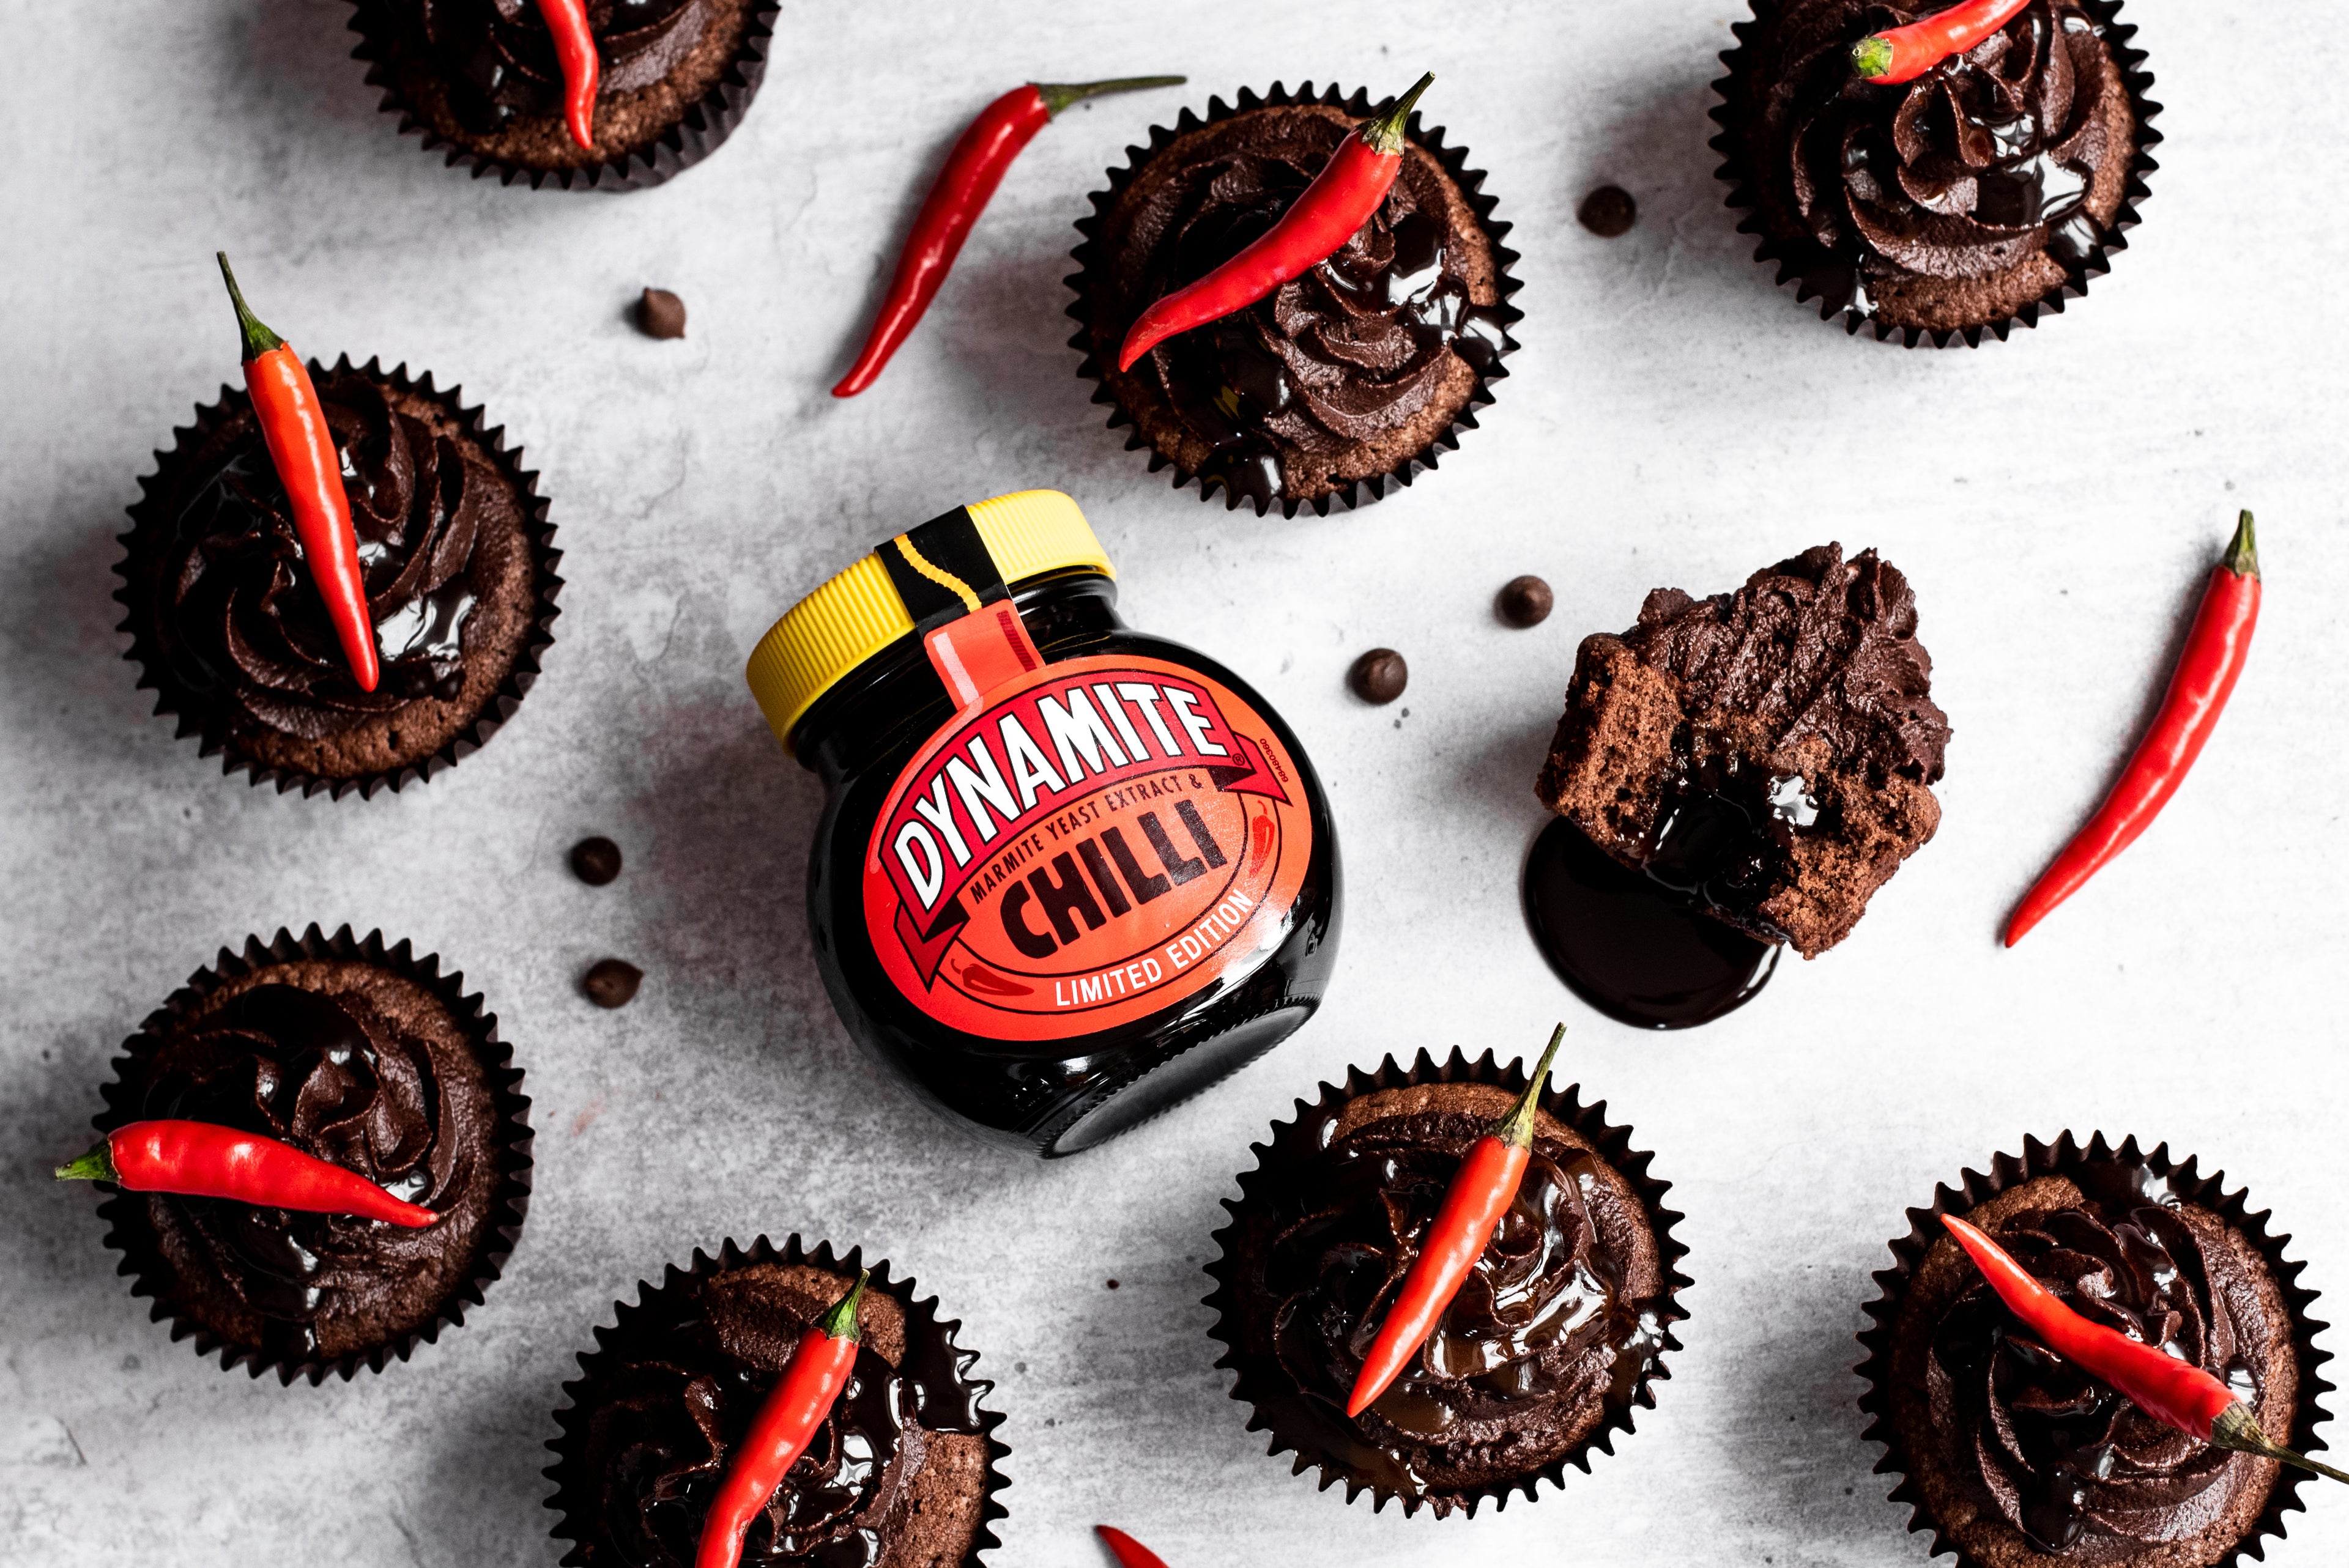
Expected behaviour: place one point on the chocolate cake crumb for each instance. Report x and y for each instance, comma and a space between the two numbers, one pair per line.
1768, 753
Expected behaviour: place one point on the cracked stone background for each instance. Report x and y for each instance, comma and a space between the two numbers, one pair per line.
1670, 419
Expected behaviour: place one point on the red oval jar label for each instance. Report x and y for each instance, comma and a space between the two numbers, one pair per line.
1104, 838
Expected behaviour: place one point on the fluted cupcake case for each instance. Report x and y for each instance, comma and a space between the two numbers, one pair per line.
1612, 1144
1088, 255
1742, 195
129, 1232
198, 717
2066, 1156
576, 1511
397, 62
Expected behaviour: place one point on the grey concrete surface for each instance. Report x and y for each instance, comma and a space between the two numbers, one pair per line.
1673, 419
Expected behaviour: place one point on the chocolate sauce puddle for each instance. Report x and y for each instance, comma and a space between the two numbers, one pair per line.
1632, 944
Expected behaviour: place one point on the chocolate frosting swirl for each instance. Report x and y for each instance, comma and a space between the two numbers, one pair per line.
331, 1077
2073, 1465
1987, 158
1346, 354
238, 615
1546, 1329
1814, 647
663, 1424
500, 57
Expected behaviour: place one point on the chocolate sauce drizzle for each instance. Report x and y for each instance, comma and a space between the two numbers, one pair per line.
500, 61
1343, 354
326, 1075
2060, 1456
1543, 1329
694, 1367
239, 615
1986, 159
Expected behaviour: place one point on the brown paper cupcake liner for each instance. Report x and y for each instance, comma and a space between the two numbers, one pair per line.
127, 1230
1358, 493
575, 1509
2062, 1156
197, 715
706, 123
1744, 196
1613, 1145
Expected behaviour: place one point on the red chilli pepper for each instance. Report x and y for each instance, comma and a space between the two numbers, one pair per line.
2205, 677
1480, 1193
974, 168
200, 1160
1129, 1552
583, 69
2174, 1392
1325, 216
301, 450
1904, 53
779, 1433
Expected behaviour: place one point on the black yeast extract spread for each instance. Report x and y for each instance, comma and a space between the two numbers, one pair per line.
1067, 873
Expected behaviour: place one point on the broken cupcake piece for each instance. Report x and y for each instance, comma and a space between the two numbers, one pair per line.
1765, 755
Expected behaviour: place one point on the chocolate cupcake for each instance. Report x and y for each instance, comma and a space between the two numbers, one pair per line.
901, 1473
480, 78
1551, 1342
2011, 1458
1983, 193
1765, 756
459, 567
358, 1054
1343, 382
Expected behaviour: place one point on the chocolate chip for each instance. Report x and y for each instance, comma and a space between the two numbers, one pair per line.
1378, 675
612, 983
595, 860
1525, 602
660, 314
1608, 212
1112, 1285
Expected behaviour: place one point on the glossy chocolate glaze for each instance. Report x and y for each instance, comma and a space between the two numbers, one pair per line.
691, 1373
1632, 946
1987, 158
2063, 1458
1551, 1330
1345, 353
330, 1076
500, 61
237, 616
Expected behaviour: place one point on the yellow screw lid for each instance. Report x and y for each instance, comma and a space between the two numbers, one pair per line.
857, 614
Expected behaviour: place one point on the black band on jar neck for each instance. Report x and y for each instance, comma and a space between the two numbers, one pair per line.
867, 712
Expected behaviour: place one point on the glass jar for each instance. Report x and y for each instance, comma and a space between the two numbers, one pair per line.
1068, 874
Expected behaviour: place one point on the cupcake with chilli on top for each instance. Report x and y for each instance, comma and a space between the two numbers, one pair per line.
1554, 1338
2013, 1455
901, 1472
229, 612
1983, 190
365, 1057
1345, 381
489, 80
